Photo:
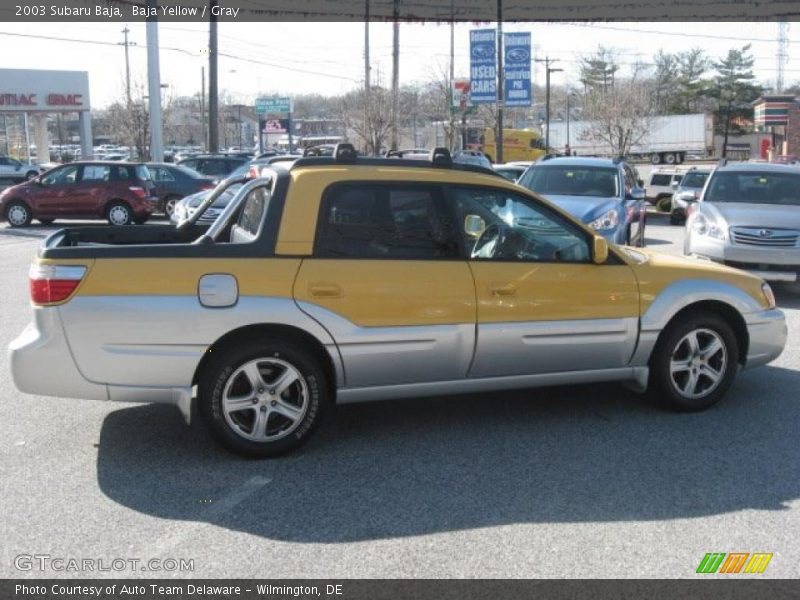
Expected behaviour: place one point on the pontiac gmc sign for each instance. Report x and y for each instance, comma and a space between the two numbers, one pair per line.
31, 101
29, 90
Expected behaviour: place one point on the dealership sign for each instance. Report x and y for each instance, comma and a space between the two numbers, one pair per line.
29, 90
517, 69
482, 66
273, 105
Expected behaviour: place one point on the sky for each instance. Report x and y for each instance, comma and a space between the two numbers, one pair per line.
328, 58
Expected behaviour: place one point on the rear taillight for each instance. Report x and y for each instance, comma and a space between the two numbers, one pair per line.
54, 283
139, 191
252, 172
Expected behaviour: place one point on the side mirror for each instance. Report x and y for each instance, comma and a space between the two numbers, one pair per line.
474, 225
599, 250
674, 185
636, 194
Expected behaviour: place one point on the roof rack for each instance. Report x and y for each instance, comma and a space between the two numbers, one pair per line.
344, 153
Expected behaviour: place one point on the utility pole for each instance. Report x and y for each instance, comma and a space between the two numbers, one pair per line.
548, 70
213, 107
203, 103
500, 97
395, 72
782, 55
367, 83
126, 43
154, 86
452, 73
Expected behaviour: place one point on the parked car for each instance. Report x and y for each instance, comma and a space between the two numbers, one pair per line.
11, 168
603, 193
658, 188
748, 217
173, 182
686, 193
510, 172
215, 165
348, 279
472, 157
123, 193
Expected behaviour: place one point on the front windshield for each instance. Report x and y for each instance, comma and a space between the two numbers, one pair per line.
755, 188
567, 180
694, 180
220, 202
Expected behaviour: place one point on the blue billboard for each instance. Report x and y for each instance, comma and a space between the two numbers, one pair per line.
482, 66
517, 69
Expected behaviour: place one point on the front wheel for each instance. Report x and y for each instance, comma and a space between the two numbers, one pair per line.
169, 205
263, 399
695, 361
18, 214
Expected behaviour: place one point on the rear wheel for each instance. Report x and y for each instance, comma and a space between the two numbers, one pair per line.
655, 158
670, 158
675, 219
18, 214
263, 398
695, 361
30, 175
664, 204
169, 205
119, 213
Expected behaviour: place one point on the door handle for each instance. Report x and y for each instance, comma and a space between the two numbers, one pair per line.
325, 290
508, 289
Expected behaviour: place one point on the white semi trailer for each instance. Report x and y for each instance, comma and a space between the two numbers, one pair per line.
669, 140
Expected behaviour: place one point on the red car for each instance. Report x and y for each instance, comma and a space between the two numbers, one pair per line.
123, 193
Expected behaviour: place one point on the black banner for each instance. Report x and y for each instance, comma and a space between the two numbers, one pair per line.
348, 589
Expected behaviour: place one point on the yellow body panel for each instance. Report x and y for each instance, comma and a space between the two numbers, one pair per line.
660, 270
509, 292
387, 293
179, 276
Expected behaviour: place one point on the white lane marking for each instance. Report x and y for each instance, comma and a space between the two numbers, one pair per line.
178, 531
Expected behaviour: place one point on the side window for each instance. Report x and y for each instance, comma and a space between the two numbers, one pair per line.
501, 225
630, 180
253, 211
61, 176
660, 179
191, 164
394, 221
123, 173
161, 174
92, 173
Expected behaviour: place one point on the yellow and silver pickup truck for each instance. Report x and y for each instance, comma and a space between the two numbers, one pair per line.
345, 279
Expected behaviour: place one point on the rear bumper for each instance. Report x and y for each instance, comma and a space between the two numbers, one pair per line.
767, 331
42, 364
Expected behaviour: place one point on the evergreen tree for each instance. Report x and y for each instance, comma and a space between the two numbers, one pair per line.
735, 91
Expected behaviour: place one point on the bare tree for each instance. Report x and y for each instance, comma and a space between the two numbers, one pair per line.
620, 117
370, 123
129, 122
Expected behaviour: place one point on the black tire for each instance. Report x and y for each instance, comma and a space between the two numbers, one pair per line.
46, 221
672, 343
670, 158
18, 214
31, 174
655, 158
119, 213
675, 219
664, 204
311, 397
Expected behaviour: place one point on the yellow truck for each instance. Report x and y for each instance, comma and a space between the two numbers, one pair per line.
518, 144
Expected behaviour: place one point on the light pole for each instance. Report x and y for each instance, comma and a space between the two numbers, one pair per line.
547, 107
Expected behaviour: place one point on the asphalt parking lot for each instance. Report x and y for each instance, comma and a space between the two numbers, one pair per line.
584, 481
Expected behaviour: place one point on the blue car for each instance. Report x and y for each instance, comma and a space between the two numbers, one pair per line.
603, 193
